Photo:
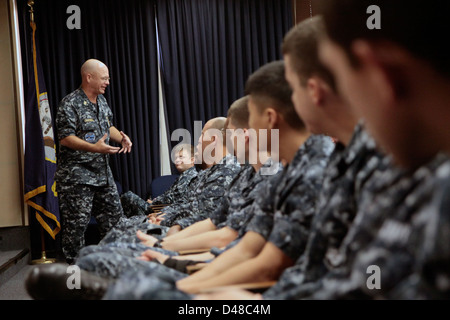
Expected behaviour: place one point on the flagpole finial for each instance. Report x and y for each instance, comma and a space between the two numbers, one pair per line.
31, 4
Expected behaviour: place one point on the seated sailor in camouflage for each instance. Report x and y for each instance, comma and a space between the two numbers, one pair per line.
348, 191
397, 200
292, 193
183, 158
184, 162
222, 169
352, 163
381, 247
85, 183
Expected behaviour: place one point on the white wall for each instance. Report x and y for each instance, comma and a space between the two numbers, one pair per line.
12, 212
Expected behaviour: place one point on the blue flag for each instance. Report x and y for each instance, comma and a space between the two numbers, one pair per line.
40, 151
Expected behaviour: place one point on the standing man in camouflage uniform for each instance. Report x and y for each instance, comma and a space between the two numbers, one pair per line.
85, 183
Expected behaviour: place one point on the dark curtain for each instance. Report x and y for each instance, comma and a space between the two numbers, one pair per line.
121, 34
209, 48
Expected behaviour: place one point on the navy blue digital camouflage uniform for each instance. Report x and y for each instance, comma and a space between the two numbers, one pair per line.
239, 219
208, 193
134, 205
390, 236
234, 197
288, 196
284, 218
242, 199
349, 170
431, 273
178, 188
125, 230
84, 180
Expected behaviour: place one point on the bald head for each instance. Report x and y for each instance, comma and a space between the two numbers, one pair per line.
219, 123
95, 77
212, 132
92, 66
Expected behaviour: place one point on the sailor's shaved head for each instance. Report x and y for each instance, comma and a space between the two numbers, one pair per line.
91, 66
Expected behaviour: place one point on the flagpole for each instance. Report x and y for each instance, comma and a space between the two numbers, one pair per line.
43, 259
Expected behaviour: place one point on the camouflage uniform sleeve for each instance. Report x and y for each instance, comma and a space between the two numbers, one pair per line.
183, 206
233, 198
174, 212
399, 245
262, 209
298, 196
242, 212
66, 120
291, 226
186, 222
431, 278
185, 196
214, 189
237, 219
211, 193
181, 210
219, 215
179, 188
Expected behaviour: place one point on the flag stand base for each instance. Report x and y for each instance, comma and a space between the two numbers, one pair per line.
43, 259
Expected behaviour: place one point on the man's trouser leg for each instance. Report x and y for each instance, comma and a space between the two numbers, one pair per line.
134, 205
106, 208
75, 204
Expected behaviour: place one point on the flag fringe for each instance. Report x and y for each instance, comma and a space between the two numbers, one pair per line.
44, 224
